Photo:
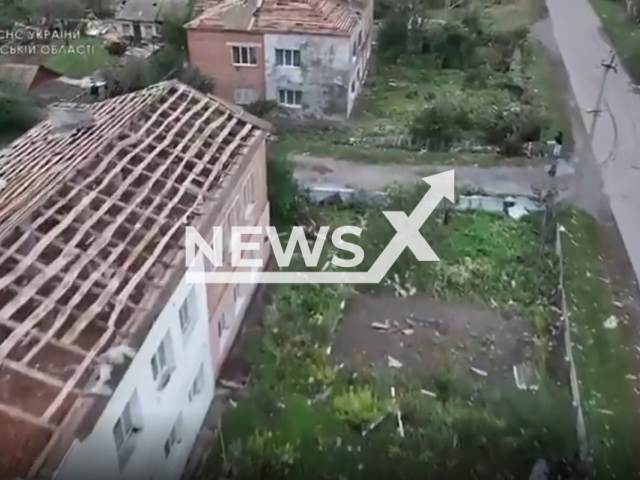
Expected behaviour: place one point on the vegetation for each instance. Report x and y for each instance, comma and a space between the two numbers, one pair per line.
18, 112
285, 197
77, 65
624, 33
305, 416
470, 85
605, 357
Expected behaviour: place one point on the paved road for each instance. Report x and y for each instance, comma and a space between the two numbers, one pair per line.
615, 143
316, 171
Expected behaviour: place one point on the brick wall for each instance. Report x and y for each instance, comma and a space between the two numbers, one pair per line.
210, 52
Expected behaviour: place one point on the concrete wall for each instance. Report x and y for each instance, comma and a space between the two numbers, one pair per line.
211, 53
323, 76
96, 457
220, 298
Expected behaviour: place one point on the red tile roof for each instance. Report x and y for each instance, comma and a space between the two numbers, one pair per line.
333, 17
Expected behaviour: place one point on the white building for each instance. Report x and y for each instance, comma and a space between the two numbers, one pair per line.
108, 358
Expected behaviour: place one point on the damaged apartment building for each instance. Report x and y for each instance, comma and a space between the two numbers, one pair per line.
108, 357
310, 56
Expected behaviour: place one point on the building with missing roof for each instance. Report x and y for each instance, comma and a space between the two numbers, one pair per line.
310, 56
108, 358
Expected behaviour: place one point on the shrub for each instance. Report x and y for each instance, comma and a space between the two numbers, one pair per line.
359, 407
285, 196
393, 37
262, 108
440, 120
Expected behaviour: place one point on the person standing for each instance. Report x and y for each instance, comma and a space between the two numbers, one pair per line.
557, 147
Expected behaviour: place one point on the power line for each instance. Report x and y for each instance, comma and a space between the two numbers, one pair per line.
608, 67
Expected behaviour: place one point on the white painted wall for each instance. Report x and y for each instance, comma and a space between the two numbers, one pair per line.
323, 76
96, 457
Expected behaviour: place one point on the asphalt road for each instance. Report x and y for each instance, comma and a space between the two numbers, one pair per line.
615, 140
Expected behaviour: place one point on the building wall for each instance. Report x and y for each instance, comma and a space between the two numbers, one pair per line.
220, 298
96, 457
361, 40
211, 53
323, 75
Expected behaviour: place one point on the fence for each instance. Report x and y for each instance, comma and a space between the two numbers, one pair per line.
573, 376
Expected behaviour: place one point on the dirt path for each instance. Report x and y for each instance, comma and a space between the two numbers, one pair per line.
315, 171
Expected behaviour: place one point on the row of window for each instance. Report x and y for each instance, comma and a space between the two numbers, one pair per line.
246, 55
162, 366
130, 423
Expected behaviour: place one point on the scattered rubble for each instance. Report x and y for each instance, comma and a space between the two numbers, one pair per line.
477, 371
393, 363
611, 322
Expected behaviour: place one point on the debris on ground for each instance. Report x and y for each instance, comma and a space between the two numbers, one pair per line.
611, 322
526, 377
606, 412
477, 371
428, 393
398, 414
407, 331
381, 326
374, 424
393, 363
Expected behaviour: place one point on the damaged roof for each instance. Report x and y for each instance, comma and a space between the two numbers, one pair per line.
150, 10
91, 242
331, 17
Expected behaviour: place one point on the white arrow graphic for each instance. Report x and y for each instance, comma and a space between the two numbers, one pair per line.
407, 235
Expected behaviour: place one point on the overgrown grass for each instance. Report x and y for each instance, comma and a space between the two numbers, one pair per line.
78, 65
323, 144
305, 417
396, 93
604, 356
623, 32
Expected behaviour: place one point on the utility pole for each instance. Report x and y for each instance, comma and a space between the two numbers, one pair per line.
608, 66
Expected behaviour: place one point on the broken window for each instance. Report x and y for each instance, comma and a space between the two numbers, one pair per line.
287, 58
124, 430
197, 385
187, 313
162, 362
244, 55
290, 98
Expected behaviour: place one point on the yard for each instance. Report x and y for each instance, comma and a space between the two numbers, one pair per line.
336, 370
455, 104
89, 56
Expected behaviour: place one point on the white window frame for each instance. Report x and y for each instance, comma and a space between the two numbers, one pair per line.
244, 55
187, 313
129, 424
289, 97
127, 29
162, 362
174, 438
249, 195
286, 57
197, 386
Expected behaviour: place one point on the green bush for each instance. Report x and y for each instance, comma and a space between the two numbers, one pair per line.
359, 407
285, 196
439, 121
393, 37
262, 108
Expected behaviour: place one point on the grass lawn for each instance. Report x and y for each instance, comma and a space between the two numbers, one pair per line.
305, 417
78, 65
605, 357
623, 32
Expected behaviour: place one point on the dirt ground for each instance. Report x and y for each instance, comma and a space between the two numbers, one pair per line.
426, 335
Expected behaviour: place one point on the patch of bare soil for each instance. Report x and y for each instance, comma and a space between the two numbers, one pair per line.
426, 335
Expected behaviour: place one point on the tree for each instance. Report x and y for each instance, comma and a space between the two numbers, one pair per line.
18, 112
